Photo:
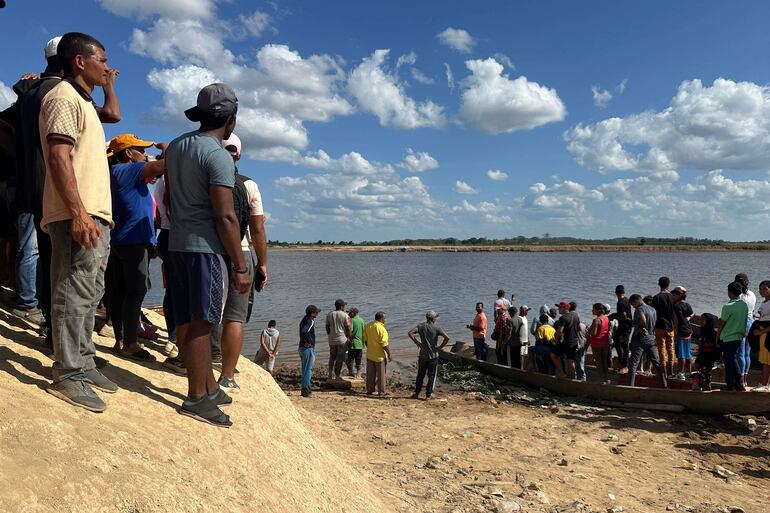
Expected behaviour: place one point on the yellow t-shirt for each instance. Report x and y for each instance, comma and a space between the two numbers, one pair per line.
376, 339
547, 333
69, 115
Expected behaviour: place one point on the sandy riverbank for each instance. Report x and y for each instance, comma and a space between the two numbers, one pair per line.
346, 452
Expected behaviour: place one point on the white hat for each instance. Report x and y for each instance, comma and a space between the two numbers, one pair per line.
51, 46
233, 140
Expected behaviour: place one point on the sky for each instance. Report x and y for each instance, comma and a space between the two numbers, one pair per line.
390, 120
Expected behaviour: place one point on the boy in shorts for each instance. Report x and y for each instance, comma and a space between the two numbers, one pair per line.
269, 344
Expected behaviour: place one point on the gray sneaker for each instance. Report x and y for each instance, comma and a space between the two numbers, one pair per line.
228, 385
99, 381
77, 393
33, 315
205, 411
220, 398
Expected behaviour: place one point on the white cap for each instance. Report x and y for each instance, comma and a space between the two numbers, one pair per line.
233, 140
51, 46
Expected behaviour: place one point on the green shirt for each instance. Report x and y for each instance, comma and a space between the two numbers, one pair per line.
357, 325
734, 315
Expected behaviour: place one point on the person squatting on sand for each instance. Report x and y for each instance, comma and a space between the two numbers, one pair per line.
427, 361
269, 345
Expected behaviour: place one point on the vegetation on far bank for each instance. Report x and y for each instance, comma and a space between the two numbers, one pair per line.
521, 243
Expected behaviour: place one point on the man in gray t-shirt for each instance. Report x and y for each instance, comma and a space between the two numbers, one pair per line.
204, 233
338, 330
643, 340
428, 344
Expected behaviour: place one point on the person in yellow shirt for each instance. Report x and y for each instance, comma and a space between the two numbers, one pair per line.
377, 354
545, 339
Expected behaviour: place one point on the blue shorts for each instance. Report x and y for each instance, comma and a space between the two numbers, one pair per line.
199, 286
683, 351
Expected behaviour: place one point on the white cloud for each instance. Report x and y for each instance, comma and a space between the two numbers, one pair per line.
277, 91
725, 125
497, 175
650, 192
621, 87
353, 199
492, 103
450, 79
485, 207
504, 59
7, 96
602, 97
462, 187
418, 162
142, 9
421, 77
407, 58
457, 39
255, 23
380, 93
564, 202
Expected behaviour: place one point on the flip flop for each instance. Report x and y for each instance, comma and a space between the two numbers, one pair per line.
142, 355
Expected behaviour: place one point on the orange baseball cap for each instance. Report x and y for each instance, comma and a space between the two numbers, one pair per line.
125, 141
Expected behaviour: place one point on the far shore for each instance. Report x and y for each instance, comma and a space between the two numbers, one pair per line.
737, 247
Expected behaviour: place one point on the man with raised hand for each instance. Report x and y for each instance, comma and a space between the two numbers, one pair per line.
77, 214
204, 243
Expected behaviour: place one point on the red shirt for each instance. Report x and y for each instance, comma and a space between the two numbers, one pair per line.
602, 338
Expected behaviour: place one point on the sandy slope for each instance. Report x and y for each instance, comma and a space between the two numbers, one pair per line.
142, 456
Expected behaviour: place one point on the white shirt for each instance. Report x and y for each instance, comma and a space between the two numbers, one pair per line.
255, 209
160, 188
751, 301
764, 311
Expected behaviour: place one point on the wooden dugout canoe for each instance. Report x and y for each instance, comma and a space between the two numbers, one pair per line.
716, 402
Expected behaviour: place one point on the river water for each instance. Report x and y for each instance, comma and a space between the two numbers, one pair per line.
406, 285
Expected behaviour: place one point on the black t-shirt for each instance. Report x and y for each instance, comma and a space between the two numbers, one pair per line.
624, 307
682, 311
570, 323
663, 303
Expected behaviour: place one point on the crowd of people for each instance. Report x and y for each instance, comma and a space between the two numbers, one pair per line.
87, 222
654, 332
87, 218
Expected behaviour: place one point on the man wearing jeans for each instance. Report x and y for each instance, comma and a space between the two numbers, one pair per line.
479, 331
307, 348
77, 214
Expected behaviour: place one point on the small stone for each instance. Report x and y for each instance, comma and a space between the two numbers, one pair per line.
584, 458
616, 450
496, 493
615, 509
535, 486
507, 506
541, 498
611, 496
563, 462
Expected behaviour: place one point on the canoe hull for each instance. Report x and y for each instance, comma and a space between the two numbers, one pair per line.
712, 402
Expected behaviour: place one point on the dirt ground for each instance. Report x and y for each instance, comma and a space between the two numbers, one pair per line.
468, 452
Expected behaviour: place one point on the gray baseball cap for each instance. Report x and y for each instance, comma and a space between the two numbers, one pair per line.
216, 97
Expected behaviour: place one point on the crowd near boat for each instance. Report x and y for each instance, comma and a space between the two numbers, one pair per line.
80, 220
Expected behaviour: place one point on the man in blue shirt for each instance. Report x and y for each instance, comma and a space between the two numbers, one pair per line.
307, 348
204, 243
133, 213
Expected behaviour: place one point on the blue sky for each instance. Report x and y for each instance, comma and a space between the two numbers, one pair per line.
591, 119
